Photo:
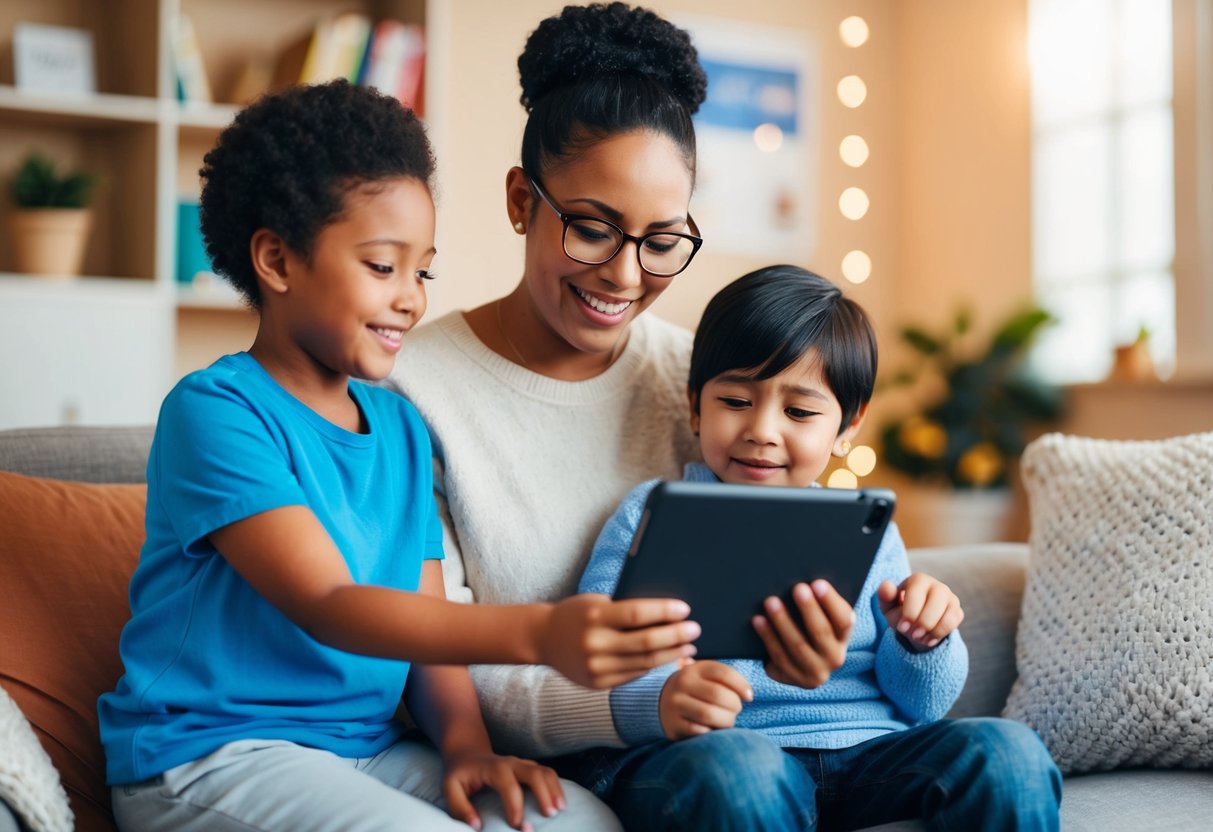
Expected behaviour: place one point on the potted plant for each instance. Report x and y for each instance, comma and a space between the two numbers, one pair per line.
51, 219
975, 404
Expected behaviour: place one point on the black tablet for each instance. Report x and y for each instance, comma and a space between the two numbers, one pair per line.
725, 548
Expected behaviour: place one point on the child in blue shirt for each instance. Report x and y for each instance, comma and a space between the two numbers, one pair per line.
292, 567
781, 376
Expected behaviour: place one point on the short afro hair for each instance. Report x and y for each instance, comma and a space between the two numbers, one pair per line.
289, 160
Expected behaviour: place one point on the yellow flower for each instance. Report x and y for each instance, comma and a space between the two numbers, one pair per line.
923, 437
980, 465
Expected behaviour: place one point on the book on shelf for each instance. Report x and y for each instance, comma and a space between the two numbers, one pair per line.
395, 62
388, 55
192, 84
192, 259
333, 48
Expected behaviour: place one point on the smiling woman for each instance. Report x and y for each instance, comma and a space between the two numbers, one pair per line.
548, 404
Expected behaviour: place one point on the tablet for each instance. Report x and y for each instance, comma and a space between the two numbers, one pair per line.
725, 548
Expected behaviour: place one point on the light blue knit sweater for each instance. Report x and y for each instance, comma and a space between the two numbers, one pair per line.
881, 687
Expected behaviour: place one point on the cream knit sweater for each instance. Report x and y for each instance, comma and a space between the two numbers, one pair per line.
527, 470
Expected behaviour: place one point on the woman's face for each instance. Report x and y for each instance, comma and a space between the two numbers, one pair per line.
637, 180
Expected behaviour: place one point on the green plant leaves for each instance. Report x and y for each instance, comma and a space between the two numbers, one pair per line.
37, 185
920, 340
987, 402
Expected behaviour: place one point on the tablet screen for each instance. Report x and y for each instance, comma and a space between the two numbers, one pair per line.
725, 548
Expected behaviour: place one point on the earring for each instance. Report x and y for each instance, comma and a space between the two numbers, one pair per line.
846, 447
519, 228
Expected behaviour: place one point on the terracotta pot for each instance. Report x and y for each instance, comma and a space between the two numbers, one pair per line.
50, 241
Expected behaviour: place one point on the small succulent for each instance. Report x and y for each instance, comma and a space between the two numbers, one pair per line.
36, 184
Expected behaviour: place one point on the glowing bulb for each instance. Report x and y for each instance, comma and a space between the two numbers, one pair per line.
853, 31
842, 478
856, 266
768, 137
861, 460
853, 203
853, 150
852, 91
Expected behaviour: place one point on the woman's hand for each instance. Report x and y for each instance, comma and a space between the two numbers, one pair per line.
701, 697
600, 643
470, 771
807, 657
923, 610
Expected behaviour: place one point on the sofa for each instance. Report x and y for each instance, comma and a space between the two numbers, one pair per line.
68, 550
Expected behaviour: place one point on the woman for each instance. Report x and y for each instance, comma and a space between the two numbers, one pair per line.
546, 406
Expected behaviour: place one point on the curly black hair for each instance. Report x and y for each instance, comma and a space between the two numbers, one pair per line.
289, 160
602, 69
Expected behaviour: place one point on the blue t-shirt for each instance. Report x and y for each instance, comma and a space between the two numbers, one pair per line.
207, 659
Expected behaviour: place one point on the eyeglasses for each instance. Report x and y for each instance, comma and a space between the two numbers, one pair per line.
594, 241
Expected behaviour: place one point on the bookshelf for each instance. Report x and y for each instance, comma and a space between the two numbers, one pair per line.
106, 346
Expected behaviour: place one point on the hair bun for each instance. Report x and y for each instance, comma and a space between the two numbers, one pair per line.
610, 39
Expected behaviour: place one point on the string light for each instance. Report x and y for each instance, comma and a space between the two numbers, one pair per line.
853, 150
856, 266
853, 31
852, 91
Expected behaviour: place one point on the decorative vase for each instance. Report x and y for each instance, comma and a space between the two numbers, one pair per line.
50, 241
945, 517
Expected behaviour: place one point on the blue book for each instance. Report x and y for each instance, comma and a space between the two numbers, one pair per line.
191, 253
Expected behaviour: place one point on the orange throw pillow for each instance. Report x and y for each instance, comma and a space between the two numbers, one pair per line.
67, 551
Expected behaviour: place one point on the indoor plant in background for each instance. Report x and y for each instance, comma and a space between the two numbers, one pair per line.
974, 403
50, 221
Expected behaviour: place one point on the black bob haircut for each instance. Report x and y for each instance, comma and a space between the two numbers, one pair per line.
765, 321
603, 69
290, 159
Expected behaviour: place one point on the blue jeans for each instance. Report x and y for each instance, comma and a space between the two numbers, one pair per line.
988, 774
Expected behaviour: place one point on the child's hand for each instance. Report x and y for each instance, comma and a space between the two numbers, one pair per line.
471, 771
807, 657
700, 697
922, 609
602, 643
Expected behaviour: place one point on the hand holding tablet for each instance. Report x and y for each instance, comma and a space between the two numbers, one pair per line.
725, 548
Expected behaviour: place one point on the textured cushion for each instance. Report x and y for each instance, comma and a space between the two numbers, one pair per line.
67, 553
1115, 642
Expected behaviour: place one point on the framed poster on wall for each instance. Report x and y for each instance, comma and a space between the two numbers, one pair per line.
756, 139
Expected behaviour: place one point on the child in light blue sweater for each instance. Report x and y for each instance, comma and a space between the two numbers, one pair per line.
781, 377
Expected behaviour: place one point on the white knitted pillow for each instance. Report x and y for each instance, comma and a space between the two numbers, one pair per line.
1115, 642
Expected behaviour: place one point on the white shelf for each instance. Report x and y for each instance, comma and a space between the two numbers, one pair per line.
206, 116
101, 289
209, 293
100, 108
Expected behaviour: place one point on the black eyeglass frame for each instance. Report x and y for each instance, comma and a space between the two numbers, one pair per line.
566, 219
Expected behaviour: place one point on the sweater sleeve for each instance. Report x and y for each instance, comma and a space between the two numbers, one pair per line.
529, 710
923, 686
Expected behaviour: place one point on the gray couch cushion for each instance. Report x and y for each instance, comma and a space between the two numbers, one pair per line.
1132, 801
989, 580
1166, 801
84, 454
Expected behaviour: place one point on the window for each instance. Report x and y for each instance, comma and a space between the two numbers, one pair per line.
1103, 181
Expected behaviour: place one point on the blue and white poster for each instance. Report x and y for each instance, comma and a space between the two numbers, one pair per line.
755, 140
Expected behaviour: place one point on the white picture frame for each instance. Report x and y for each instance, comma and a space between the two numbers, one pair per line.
53, 59
757, 139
